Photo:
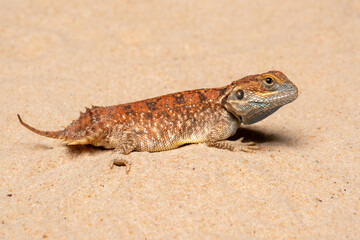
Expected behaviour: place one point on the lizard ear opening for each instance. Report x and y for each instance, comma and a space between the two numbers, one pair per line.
223, 99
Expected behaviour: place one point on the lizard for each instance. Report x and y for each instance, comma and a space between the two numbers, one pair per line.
208, 115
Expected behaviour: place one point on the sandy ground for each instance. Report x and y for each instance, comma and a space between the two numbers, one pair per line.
56, 57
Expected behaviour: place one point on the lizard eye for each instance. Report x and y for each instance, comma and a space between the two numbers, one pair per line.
239, 94
269, 81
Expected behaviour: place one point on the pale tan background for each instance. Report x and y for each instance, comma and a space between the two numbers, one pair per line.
56, 57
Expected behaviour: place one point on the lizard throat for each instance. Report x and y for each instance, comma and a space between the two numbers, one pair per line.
260, 108
258, 115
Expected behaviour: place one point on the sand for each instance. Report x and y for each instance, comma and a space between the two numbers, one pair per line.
56, 57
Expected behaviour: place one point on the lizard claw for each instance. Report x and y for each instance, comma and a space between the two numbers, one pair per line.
249, 148
120, 162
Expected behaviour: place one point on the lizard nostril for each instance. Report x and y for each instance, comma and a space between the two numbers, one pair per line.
291, 87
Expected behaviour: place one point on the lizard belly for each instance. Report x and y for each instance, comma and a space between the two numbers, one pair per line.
163, 139
168, 141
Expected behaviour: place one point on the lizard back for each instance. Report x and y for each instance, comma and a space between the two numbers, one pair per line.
96, 123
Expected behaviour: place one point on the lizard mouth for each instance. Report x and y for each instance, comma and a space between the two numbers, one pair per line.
277, 99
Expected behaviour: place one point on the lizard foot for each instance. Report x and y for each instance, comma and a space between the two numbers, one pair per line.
237, 146
245, 146
120, 162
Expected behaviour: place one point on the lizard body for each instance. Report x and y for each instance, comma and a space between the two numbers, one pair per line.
169, 121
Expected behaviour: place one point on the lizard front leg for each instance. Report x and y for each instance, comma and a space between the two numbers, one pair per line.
223, 130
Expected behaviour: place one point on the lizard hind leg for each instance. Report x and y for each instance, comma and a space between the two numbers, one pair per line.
124, 142
124, 149
120, 162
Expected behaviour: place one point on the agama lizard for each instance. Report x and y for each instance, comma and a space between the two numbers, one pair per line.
204, 115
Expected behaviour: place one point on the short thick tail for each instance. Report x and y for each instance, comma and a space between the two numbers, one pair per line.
50, 134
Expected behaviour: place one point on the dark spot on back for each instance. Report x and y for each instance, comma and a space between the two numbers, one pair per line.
127, 107
148, 115
179, 99
221, 91
156, 99
151, 105
202, 97
130, 113
165, 114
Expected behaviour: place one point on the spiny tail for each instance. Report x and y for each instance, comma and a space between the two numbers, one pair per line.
50, 134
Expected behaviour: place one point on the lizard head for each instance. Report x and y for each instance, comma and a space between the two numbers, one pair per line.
255, 97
